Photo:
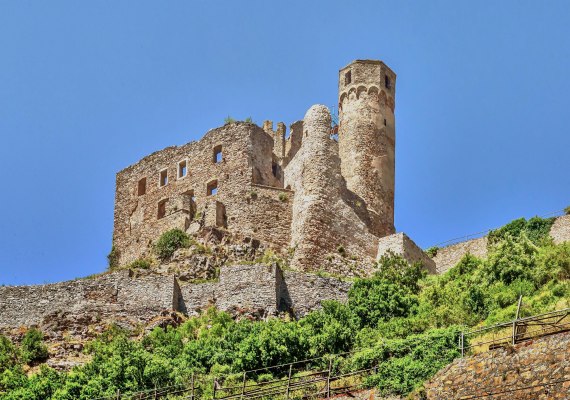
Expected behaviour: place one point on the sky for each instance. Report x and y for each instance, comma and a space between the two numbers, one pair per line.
88, 88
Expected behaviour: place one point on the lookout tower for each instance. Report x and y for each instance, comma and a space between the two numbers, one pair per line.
366, 92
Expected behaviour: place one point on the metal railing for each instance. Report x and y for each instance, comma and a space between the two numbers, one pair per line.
513, 332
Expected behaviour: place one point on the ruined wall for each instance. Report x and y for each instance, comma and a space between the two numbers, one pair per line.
325, 216
246, 158
302, 292
401, 244
366, 138
447, 257
505, 374
560, 231
115, 295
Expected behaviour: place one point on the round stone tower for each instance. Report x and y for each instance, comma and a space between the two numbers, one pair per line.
366, 138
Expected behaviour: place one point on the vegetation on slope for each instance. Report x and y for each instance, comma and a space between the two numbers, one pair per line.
400, 320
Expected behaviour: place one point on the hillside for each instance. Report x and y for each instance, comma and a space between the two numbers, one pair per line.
400, 322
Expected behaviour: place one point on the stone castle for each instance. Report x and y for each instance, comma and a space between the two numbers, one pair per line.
323, 192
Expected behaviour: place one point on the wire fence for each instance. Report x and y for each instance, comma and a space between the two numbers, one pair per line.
476, 235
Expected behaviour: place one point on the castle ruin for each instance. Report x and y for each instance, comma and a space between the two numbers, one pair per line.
321, 192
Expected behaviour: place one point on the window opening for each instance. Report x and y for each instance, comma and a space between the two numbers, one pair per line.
161, 209
182, 169
141, 188
212, 188
163, 177
218, 154
348, 78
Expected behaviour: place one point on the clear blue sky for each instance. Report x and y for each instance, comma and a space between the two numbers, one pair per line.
88, 88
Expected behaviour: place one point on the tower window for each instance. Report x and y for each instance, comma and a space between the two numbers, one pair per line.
387, 82
161, 209
212, 188
182, 169
384, 121
218, 154
141, 187
348, 78
163, 180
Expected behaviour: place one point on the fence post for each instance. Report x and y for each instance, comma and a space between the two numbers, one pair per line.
118, 394
329, 379
289, 381
192, 385
461, 343
155, 392
243, 385
214, 384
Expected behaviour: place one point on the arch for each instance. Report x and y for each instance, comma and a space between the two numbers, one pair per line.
360, 90
382, 98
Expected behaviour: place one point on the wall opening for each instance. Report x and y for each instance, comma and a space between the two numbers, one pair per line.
384, 121
348, 78
182, 169
218, 154
221, 218
141, 187
161, 213
387, 82
163, 180
212, 188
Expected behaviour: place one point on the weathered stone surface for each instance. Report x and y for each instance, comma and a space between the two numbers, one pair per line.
306, 192
505, 374
401, 244
560, 231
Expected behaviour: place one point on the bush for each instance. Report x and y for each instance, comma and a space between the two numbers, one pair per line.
229, 120
171, 241
113, 258
567, 210
536, 229
141, 263
432, 251
33, 347
283, 197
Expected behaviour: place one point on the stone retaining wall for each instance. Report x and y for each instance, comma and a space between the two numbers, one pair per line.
517, 372
256, 290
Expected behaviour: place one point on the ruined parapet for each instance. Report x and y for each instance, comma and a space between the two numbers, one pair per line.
294, 141
278, 137
366, 138
400, 244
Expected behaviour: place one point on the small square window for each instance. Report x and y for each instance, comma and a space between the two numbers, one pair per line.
348, 78
141, 188
182, 169
163, 180
218, 154
387, 82
212, 188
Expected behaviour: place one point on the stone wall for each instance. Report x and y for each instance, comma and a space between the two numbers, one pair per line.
246, 158
257, 290
447, 257
503, 374
113, 295
326, 215
401, 244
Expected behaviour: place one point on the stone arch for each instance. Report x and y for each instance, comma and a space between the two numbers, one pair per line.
352, 94
382, 98
360, 90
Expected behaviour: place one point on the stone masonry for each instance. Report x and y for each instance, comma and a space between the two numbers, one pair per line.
305, 192
517, 372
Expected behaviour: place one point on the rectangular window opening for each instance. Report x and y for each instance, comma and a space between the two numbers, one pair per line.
348, 78
163, 177
218, 154
384, 121
182, 169
161, 209
141, 188
212, 188
387, 82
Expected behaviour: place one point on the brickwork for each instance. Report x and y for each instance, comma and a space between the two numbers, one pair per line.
526, 366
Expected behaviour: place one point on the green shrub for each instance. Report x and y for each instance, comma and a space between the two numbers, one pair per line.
567, 210
169, 242
229, 120
283, 197
141, 263
248, 120
33, 347
536, 229
113, 258
432, 251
